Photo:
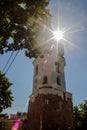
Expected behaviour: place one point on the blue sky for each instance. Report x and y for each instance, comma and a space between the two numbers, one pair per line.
70, 13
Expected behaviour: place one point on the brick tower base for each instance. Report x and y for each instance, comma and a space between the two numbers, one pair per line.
50, 112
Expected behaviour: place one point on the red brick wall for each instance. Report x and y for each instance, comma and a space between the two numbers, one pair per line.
50, 112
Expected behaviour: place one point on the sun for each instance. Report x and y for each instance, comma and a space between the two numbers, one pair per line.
58, 35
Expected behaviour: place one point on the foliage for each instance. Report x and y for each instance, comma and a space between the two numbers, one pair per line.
76, 117
80, 116
6, 97
20, 24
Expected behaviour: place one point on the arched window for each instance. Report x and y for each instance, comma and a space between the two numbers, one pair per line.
36, 71
35, 81
57, 67
45, 80
64, 95
58, 81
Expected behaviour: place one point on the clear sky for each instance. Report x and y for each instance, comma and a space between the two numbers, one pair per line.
71, 14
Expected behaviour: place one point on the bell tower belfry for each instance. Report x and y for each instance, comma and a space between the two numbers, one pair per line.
49, 72
50, 105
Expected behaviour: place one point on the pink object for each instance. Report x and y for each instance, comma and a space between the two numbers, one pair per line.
16, 125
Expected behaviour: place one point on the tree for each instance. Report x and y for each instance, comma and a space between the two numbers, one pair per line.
76, 117
6, 97
80, 116
20, 24
83, 115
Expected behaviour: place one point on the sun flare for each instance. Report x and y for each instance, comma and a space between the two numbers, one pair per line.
58, 35
61, 33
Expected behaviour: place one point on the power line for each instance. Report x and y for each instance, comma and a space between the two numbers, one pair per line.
8, 61
12, 62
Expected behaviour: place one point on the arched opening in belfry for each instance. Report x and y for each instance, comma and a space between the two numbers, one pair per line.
36, 72
58, 80
57, 67
45, 80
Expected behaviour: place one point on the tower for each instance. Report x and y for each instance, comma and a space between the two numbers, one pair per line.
50, 105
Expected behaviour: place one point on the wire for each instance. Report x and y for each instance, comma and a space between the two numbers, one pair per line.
8, 61
12, 55
12, 62
26, 104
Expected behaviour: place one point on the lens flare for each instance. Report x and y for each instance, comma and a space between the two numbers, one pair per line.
58, 35
16, 125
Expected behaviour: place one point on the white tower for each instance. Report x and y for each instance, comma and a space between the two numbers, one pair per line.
49, 76
50, 106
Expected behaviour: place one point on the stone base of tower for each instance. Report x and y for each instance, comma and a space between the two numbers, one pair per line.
50, 112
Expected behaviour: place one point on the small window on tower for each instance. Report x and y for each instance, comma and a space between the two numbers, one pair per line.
45, 80
35, 82
58, 81
36, 70
64, 95
57, 66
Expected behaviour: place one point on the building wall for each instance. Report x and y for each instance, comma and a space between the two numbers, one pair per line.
50, 106
50, 67
50, 112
